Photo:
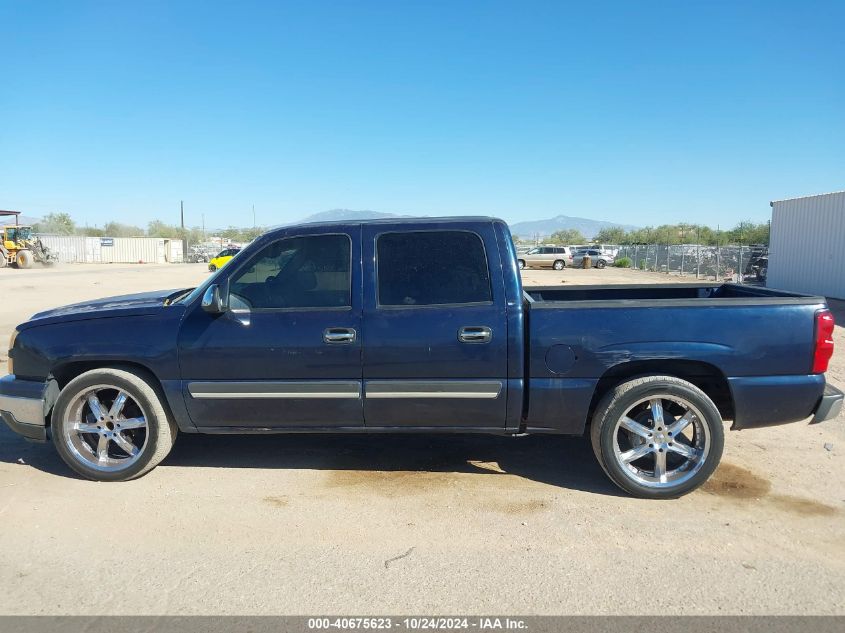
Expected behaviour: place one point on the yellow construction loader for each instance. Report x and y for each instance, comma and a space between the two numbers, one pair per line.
19, 246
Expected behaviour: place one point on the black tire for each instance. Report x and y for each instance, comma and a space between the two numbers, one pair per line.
762, 273
161, 431
24, 259
617, 403
601, 263
212, 268
520, 263
559, 264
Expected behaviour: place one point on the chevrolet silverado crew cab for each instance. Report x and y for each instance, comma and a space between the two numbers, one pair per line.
419, 325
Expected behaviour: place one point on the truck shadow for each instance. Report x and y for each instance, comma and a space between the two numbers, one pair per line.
559, 461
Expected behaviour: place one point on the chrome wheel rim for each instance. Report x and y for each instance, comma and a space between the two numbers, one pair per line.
105, 428
661, 441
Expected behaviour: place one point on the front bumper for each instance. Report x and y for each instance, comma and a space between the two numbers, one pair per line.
829, 406
25, 404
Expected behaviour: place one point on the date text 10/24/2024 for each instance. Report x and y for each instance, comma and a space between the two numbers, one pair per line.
417, 623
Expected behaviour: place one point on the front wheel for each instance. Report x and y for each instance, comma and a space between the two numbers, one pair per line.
24, 259
110, 425
601, 263
212, 268
521, 264
657, 437
559, 265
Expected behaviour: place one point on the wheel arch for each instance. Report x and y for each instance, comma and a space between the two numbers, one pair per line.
63, 373
707, 377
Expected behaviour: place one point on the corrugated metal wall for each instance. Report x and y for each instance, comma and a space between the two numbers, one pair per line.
807, 250
113, 250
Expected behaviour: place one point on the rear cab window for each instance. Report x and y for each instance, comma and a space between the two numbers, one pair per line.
425, 268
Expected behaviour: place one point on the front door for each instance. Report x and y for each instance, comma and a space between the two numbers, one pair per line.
435, 329
287, 353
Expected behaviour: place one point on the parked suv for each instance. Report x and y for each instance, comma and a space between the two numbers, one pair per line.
557, 257
597, 258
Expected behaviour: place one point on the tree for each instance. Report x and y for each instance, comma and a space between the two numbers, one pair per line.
118, 229
90, 231
610, 235
567, 236
747, 232
55, 223
157, 228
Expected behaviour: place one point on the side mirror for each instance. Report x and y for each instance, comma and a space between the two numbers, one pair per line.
212, 301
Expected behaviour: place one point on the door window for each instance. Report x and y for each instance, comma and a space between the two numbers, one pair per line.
300, 272
421, 268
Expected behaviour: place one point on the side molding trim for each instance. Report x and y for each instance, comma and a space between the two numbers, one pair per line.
484, 389
276, 390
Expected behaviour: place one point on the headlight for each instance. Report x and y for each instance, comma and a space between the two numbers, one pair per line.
12, 338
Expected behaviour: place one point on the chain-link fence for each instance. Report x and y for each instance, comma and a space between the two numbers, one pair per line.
714, 262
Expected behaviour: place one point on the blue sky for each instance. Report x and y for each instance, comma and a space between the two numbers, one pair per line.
635, 112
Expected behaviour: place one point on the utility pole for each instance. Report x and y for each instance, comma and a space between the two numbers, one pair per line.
184, 237
203, 227
253, 216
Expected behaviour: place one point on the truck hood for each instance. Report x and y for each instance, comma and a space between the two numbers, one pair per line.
124, 305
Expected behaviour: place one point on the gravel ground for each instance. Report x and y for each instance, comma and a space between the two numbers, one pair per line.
414, 524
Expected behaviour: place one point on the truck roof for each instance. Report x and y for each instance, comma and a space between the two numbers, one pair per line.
400, 220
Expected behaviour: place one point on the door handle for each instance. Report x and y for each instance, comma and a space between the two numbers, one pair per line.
339, 335
475, 334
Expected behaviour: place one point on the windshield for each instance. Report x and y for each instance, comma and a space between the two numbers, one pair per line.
19, 233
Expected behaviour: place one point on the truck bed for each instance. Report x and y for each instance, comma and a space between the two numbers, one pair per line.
537, 296
753, 345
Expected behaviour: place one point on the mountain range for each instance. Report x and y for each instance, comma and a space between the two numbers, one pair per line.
588, 228
528, 228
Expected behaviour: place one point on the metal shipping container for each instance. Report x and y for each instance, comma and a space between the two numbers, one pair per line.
113, 250
807, 245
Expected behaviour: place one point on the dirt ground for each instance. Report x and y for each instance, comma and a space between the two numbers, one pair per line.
412, 524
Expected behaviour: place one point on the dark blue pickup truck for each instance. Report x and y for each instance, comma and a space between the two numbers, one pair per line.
419, 325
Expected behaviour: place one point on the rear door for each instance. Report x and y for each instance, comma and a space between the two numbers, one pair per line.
435, 328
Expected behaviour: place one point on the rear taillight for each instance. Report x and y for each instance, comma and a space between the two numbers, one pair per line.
823, 350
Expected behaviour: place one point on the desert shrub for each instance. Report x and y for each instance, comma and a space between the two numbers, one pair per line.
623, 262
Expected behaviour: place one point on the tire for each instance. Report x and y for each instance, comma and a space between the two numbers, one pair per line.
687, 462
212, 268
144, 402
762, 273
559, 264
24, 259
601, 263
520, 263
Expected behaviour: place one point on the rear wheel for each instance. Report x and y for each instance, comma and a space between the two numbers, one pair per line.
657, 436
601, 263
521, 264
559, 264
212, 268
110, 425
24, 259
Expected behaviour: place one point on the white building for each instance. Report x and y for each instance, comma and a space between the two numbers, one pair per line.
807, 245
